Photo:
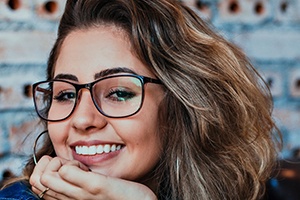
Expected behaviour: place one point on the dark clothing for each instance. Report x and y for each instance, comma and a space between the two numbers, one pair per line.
18, 191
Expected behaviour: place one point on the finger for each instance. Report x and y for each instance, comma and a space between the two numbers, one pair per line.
51, 195
61, 189
46, 175
75, 173
76, 164
87, 183
50, 171
35, 180
37, 173
56, 165
45, 169
43, 193
100, 186
52, 179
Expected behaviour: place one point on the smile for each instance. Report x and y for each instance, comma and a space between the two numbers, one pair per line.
97, 149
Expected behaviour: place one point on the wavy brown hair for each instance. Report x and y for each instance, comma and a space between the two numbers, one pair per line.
215, 120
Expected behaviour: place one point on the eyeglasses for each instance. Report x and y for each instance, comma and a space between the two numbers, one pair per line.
114, 96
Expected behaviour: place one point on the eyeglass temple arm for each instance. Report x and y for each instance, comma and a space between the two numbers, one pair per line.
43, 90
152, 80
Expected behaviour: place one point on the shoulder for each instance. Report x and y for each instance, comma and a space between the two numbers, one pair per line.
18, 190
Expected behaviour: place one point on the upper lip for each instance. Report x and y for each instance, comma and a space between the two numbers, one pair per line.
93, 142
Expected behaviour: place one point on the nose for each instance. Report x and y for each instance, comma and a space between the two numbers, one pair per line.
86, 118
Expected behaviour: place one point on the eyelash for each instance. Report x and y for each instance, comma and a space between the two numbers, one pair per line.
60, 97
118, 91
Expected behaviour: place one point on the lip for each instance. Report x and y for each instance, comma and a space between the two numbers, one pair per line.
92, 160
92, 142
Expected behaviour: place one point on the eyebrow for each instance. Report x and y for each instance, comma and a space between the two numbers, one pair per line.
111, 71
98, 75
66, 76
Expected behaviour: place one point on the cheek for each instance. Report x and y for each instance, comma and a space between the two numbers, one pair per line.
142, 129
143, 149
58, 135
142, 136
139, 132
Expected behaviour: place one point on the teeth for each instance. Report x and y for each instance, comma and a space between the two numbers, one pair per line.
113, 148
106, 148
99, 149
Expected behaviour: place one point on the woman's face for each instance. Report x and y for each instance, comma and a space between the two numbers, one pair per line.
83, 56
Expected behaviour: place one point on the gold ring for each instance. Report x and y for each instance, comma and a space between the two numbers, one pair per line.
43, 193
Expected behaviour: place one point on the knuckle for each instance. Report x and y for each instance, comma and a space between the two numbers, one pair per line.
33, 180
44, 179
63, 171
45, 159
56, 160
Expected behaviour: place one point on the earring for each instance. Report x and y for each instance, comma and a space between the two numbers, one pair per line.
35, 144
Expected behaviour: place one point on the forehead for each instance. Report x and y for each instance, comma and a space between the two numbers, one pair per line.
102, 38
94, 49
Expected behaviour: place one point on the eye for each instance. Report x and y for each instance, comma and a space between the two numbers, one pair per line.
65, 96
120, 94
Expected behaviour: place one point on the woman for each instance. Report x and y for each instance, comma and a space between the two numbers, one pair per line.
144, 101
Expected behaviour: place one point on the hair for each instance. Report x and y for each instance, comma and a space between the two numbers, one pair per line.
219, 138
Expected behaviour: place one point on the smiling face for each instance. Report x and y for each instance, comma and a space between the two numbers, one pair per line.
127, 148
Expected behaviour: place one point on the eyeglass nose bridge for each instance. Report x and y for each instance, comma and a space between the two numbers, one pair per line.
78, 88
82, 86
87, 86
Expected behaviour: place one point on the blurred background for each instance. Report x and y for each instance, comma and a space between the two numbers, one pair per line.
267, 30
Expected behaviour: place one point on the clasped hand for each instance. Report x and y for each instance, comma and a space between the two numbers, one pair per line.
73, 180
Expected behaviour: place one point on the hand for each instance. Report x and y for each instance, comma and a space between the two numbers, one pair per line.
73, 180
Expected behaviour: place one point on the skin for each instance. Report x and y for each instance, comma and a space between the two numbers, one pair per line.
83, 56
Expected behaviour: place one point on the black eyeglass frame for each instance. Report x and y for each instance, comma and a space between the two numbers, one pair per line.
89, 86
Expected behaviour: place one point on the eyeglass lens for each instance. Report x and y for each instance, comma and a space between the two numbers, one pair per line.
113, 97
